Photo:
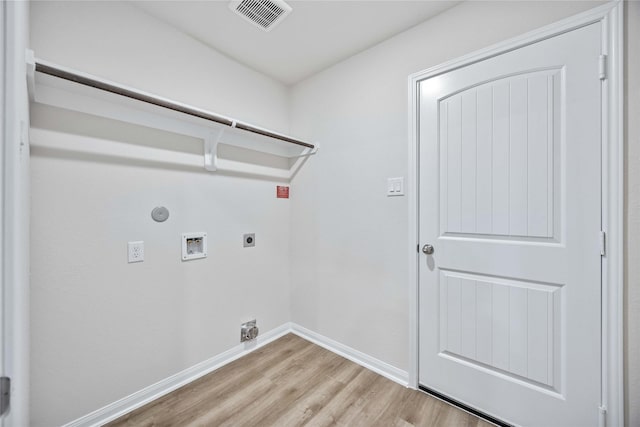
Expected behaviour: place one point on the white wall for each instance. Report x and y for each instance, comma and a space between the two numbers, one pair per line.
118, 41
349, 241
102, 328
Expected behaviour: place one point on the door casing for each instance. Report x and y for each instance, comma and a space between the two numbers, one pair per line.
611, 17
14, 179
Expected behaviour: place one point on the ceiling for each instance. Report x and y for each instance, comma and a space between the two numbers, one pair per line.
316, 35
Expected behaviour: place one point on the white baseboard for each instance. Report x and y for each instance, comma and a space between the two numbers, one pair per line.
159, 389
362, 359
148, 394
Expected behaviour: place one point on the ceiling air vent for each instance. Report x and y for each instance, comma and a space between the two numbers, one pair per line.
265, 14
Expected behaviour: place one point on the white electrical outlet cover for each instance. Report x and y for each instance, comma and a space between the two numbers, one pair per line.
135, 251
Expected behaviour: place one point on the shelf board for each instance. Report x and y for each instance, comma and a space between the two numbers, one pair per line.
65, 88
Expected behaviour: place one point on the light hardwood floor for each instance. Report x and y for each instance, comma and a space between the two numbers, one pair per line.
292, 382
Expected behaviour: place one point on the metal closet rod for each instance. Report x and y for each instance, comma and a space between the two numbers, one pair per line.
66, 75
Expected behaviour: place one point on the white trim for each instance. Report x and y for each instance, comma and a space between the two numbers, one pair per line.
412, 191
15, 211
142, 397
4, 344
159, 389
597, 14
376, 365
611, 17
613, 221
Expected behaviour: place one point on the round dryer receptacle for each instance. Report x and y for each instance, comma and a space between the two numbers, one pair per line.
160, 214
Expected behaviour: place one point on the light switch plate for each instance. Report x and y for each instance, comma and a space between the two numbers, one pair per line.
395, 186
135, 251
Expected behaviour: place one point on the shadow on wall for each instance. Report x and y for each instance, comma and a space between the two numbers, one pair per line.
132, 145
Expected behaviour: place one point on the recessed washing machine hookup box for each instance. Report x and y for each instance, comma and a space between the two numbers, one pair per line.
194, 246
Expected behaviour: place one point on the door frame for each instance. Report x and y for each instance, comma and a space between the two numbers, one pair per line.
611, 16
14, 220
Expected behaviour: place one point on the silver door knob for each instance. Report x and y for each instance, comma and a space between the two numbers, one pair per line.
427, 249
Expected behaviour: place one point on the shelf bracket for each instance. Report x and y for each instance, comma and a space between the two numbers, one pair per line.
211, 142
31, 74
308, 152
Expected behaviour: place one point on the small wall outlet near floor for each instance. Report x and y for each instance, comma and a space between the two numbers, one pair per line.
249, 330
135, 251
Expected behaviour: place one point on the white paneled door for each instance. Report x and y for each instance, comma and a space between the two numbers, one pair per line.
510, 200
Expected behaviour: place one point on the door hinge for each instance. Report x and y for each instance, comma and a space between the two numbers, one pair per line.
602, 418
603, 243
418, 248
602, 67
5, 394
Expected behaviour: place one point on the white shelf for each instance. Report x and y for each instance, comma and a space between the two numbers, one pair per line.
56, 86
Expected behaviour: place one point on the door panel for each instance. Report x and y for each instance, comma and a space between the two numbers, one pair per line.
510, 304
497, 156
503, 325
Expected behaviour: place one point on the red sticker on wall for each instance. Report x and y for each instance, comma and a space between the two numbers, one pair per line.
282, 191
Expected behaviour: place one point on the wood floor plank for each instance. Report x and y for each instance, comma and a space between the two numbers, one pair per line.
319, 396
292, 382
